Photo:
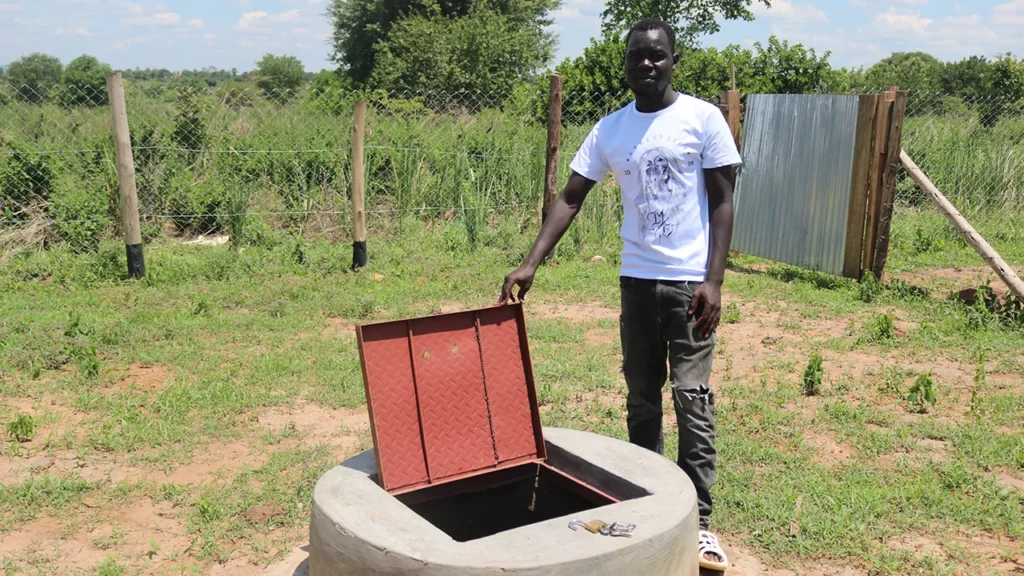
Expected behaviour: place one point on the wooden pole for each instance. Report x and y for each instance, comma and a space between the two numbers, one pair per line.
732, 110
859, 186
879, 156
358, 187
554, 143
969, 233
129, 200
887, 195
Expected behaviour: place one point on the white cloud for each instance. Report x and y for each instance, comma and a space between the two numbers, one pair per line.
210, 36
158, 19
1012, 7
260, 20
300, 31
10, 7
890, 2
786, 10
1009, 14
245, 3
72, 31
896, 22
124, 44
310, 2
250, 19
196, 23
567, 13
969, 20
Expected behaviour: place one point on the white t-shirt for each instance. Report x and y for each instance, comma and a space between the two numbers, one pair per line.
658, 159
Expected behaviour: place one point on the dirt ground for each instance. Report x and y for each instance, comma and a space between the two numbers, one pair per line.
761, 343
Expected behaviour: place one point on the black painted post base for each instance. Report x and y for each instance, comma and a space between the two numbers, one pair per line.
358, 255
136, 263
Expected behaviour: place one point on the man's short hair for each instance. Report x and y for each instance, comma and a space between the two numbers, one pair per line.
648, 24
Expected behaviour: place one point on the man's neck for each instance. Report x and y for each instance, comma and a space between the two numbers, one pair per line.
656, 103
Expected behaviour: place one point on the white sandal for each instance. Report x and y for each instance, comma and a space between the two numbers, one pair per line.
708, 542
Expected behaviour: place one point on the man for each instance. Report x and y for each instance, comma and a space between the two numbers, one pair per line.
673, 157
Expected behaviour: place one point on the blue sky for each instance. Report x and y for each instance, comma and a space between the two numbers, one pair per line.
178, 34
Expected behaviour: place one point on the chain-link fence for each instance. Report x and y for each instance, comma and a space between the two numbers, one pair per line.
972, 149
234, 160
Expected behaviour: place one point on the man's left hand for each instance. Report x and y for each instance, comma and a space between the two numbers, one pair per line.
708, 299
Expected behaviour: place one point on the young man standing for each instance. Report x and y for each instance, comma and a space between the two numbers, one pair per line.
673, 157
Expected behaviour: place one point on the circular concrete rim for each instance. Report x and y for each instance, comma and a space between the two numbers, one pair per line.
355, 518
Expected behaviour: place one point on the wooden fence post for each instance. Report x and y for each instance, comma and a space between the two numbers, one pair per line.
732, 109
553, 149
554, 144
892, 163
129, 200
358, 187
879, 156
859, 185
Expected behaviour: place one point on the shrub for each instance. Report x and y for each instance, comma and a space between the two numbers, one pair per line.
24, 179
922, 393
79, 214
814, 374
22, 428
869, 288
197, 208
882, 329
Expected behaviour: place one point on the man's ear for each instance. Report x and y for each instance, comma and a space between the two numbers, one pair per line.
675, 60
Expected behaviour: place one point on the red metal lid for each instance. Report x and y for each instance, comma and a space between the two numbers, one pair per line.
450, 396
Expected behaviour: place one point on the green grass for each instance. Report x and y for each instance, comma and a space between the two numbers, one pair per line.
238, 335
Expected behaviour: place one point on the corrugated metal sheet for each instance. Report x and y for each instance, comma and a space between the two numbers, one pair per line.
793, 193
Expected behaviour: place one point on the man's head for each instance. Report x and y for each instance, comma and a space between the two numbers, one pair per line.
650, 57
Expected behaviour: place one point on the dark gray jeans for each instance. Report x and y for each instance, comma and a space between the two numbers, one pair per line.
657, 343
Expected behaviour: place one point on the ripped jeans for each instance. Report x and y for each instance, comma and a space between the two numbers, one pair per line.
658, 343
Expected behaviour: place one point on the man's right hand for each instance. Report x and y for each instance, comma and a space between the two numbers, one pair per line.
523, 277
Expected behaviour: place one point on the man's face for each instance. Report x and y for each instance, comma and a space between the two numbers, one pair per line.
649, 62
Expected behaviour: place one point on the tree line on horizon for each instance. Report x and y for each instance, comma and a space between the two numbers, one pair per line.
503, 46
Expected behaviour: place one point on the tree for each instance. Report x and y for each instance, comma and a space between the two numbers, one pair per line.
786, 69
968, 79
689, 19
917, 72
1006, 92
363, 35
484, 51
85, 80
279, 75
33, 76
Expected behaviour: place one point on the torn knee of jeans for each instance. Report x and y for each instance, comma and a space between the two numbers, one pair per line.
702, 393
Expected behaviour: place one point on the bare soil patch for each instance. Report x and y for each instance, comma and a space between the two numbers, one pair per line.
943, 280
338, 328
601, 337
144, 533
342, 429
584, 312
828, 450
743, 562
145, 377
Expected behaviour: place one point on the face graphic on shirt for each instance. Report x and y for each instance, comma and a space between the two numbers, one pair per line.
661, 194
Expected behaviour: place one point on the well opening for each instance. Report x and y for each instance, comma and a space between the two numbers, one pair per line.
492, 503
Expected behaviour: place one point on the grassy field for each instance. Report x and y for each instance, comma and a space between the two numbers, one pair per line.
177, 425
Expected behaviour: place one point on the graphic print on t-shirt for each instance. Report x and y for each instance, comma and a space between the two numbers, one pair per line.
663, 198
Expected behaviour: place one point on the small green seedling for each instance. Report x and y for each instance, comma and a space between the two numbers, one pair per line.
731, 315
883, 328
813, 376
869, 288
89, 364
977, 393
922, 393
22, 428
